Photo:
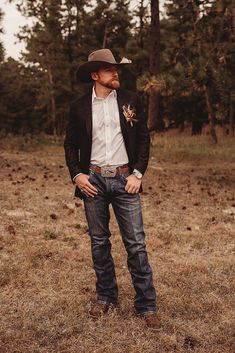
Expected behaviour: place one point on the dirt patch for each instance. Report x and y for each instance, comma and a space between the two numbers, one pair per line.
46, 275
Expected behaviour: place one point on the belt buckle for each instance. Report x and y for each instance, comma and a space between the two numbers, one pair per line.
108, 171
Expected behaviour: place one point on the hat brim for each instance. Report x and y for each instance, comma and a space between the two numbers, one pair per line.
84, 71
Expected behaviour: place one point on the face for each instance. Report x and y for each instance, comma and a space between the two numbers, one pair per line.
107, 77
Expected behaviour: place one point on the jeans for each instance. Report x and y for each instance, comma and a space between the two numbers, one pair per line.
127, 210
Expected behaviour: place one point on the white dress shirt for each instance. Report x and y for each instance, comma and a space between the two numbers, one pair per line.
108, 146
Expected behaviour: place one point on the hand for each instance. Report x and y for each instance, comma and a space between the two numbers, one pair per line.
133, 184
82, 181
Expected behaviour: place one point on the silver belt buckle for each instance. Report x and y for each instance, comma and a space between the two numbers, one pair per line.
108, 172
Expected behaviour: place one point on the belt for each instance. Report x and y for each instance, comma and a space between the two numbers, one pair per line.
110, 171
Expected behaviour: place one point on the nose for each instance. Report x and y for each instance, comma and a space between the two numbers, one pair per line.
115, 72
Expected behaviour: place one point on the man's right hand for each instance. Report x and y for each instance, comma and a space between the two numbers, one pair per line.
82, 181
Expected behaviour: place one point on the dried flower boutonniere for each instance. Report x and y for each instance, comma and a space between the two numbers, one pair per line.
129, 114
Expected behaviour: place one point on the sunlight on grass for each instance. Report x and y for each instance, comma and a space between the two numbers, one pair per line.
28, 142
192, 148
164, 147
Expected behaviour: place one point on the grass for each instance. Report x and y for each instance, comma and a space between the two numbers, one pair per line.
46, 275
193, 148
28, 142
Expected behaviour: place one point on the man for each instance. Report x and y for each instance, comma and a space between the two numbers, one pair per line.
107, 151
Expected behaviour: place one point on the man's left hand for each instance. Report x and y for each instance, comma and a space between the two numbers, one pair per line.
133, 184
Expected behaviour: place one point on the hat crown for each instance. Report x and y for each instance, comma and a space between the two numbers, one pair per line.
102, 55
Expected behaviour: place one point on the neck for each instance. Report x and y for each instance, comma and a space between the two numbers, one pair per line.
102, 91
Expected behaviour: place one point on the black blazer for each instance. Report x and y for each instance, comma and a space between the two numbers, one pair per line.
78, 138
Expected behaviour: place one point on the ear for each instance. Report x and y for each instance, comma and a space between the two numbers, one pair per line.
94, 76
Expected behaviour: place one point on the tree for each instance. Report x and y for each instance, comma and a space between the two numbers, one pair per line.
193, 82
204, 49
60, 39
111, 25
76, 41
44, 44
1, 44
154, 122
19, 110
137, 47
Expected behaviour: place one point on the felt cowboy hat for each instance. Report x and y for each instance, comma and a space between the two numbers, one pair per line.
96, 60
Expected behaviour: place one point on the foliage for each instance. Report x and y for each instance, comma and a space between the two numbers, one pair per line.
18, 98
197, 47
198, 56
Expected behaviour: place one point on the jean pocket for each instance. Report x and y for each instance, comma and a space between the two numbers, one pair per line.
90, 174
124, 176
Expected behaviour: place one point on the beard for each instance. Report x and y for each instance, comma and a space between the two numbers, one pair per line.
112, 84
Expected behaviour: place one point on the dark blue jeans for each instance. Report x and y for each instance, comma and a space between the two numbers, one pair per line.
127, 209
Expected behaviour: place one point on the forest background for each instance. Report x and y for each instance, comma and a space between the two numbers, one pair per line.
183, 63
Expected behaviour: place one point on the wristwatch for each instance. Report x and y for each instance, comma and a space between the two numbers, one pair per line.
137, 174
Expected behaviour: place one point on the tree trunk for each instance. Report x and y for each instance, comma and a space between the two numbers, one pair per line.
141, 16
231, 118
196, 127
153, 110
233, 24
231, 105
52, 100
105, 36
70, 45
154, 122
211, 114
181, 127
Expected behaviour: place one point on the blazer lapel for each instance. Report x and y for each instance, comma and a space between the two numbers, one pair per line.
86, 113
88, 116
121, 101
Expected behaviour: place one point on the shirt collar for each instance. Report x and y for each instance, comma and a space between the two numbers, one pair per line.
94, 96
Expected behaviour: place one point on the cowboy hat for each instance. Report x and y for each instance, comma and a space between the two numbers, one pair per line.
96, 60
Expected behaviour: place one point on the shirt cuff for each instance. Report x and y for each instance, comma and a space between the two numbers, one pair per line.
137, 171
76, 176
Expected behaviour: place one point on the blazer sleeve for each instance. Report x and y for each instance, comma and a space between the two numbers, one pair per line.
71, 142
143, 139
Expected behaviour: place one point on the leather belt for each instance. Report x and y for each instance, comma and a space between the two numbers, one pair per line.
110, 171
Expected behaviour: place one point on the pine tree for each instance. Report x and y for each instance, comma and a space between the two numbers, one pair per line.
45, 49
137, 47
1, 44
63, 34
77, 42
18, 98
202, 36
111, 24
154, 122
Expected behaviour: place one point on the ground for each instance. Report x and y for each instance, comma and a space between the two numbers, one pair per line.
46, 275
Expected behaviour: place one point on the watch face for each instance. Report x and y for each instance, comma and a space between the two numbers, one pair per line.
137, 175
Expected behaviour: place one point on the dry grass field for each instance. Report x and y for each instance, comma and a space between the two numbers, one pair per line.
46, 276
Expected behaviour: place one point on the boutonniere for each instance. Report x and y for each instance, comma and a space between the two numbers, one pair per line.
129, 114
